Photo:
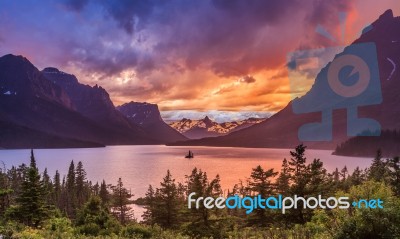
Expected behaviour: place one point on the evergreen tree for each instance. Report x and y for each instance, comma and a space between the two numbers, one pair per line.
57, 189
168, 202
299, 178
104, 194
334, 179
120, 201
93, 219
5, 191
317, 178
81, 185
344, 173
297, 162
357, 177
377, 171
394, 174
260, 183
336, 175
149, 215
70, 191
199, 184
31, 208
96, 189
16, 177
48, 187
283, 181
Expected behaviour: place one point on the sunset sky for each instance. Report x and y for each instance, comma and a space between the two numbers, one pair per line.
222, 58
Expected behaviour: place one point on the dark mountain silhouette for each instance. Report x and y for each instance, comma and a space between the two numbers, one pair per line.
202, 128
30, 102
14, 136
281, 130
366, 146
148, 117
93, 103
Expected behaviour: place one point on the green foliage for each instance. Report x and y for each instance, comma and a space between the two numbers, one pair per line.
69, 193
120, 201
360, 222
260, 183
394, 174
283, 181
198, 183
95, 220
137, 231
81, 185
31, 208
104, 194
80, 209
163, 204
378, 169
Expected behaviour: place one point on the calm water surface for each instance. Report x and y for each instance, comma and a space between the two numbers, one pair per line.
139, 166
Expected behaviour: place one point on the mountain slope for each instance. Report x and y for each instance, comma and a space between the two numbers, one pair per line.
32, 102
281, 130
148, 117
93, 103
367, 146
14, 136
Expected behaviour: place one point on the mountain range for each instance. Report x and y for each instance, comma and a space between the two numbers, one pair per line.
51, 109
202, 128
281, 129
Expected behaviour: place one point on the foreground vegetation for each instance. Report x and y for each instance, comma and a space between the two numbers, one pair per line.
34, 205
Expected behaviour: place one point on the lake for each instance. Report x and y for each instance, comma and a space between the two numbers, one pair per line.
139, 166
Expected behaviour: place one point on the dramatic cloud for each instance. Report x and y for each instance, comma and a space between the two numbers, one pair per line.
226, 55
247, 79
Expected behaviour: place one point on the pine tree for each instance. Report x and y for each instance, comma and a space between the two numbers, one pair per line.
300, 178
283, 181
394, 174
81, 185
150, 206
378, 169
93, 219
48, 187
168, 202
31, 208
70, 191
199, 184
357, 177
5, 191
163, 204
120, 201
336, 175
96, 189
16, 177
104, 194
344, 173
318, 181
57, 189
298, 161
260, 183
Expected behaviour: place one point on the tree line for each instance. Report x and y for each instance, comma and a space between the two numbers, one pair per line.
167, 205
365, 146
29, 199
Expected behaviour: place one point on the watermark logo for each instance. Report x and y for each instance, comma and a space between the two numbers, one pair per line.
279, 203
349, 81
